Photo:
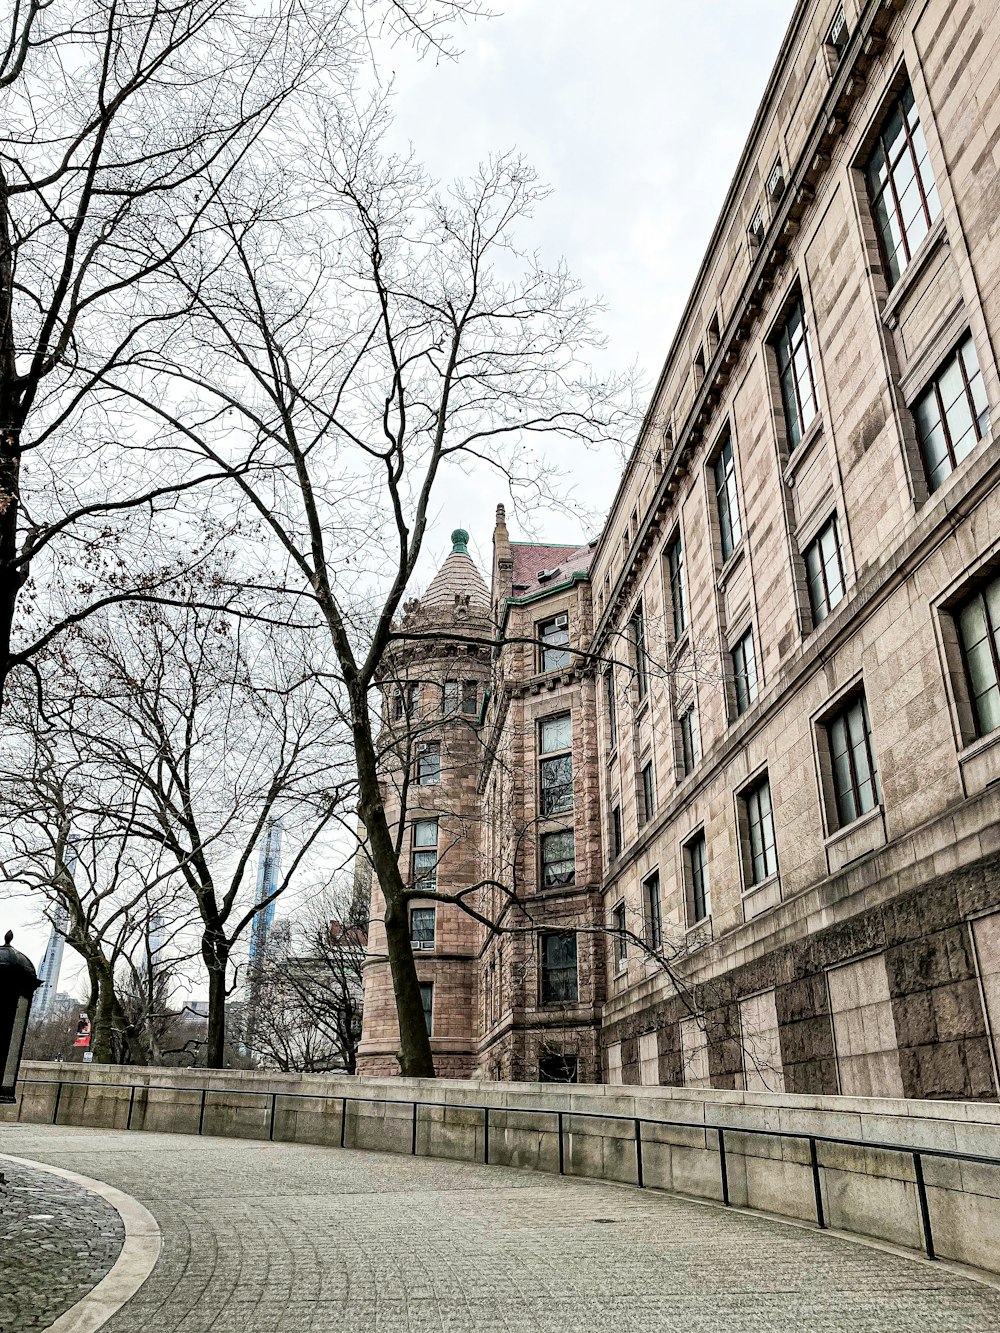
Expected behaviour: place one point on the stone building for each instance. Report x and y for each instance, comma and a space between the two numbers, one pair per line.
788, 708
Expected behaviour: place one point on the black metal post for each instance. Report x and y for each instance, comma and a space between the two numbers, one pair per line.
270, 1127
131, 1107
817, 1190
925, 1214
638, 1153
343, 1121
55, 1112
486, 1136
562, 1155
722, 1165
413, 1136
201, 1114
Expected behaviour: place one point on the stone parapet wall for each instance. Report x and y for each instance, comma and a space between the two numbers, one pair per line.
865, 1190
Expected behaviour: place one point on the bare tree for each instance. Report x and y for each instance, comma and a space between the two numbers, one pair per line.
124, 123
307, 1016
340, 362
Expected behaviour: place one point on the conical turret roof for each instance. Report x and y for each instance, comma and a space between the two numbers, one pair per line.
458, 583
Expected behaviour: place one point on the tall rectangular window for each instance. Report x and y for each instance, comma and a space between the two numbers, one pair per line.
558, 864
979, 632
653, 911
852, 758
451, 697
555, 740
647, 795
609, 694
795, 371
470, 697
425, 854
559, 974
699, 896
637, 634
744, 672
901, 189
678, 593
727, 500
554, 637
422, 923
690, 749
428, 764
619, 938
427, 1001
763, 859
824, 572
406, 701
616, 832
952, 414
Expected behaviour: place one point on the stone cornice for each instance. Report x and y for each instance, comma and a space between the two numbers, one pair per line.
866, 44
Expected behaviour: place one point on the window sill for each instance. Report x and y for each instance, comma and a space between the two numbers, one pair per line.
936, 237
980, 763
735, 559
760, 897
803, 451
865, 834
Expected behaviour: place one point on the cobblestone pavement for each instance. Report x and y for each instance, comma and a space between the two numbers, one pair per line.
57, 1240
274, 1238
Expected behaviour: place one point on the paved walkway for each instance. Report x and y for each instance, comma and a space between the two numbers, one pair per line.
274, 1238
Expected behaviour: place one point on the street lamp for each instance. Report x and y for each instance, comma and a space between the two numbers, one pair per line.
18, 984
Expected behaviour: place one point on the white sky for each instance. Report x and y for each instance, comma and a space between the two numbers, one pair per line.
635, 113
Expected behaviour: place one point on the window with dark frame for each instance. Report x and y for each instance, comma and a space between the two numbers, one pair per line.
558, 862
653, 910
901, 189
854, 771
978, 621
744, 671
678, 594
559, 968
470, 697
763, 858
427, 1001
422, 927
554, 636
690, 749
647, 792
952, 414
425, 854
727, 501
839, 33
619, 937
824, 571
557, 1067
637, 635
555, 742
428, 763
795, 373
776, 180
609, 692
755, 231
616, 832
406, 700
699, 897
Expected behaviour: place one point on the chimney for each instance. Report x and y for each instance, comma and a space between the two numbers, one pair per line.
503, 564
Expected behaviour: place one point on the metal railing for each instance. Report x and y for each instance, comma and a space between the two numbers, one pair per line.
811, 1139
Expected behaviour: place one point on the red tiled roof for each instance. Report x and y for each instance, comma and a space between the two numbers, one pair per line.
531, 559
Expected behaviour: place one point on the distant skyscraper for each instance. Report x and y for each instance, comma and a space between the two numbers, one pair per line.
267, 882
48, 972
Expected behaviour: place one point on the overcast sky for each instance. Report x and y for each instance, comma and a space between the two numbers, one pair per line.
635, 113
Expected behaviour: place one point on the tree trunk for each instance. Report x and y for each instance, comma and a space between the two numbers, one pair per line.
11, 577
216, 955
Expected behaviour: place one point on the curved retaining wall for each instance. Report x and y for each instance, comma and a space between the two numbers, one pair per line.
863, 1189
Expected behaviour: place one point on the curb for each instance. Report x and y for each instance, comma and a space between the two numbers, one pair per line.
139, 1253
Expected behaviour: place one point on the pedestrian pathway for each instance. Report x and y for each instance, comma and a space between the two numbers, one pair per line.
279, 1238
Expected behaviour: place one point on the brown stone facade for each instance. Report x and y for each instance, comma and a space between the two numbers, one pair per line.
781, 700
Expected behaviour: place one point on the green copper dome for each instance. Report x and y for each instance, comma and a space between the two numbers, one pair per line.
460, 542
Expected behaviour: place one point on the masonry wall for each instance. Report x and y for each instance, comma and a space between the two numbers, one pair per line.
876, 938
